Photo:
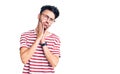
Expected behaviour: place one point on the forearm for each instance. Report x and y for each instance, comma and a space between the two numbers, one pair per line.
53, 59
27, 54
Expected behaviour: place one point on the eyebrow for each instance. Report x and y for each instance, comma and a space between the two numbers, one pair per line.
48, 16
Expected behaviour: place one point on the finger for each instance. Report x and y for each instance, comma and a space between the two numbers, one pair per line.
42, 28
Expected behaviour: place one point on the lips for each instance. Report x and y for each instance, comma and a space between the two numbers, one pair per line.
45, 27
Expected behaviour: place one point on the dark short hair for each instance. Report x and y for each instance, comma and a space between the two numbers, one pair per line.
51, 8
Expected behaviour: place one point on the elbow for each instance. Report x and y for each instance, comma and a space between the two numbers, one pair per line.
24, 61
54, 64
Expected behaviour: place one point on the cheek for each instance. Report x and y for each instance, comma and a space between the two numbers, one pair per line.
43, 21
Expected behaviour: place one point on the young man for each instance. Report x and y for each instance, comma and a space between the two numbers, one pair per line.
40, 49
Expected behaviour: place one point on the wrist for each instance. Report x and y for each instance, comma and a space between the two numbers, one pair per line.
43, 44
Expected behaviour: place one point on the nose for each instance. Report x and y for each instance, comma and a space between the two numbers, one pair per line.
47, 21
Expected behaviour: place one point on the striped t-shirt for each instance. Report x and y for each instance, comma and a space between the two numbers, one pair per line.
38, 63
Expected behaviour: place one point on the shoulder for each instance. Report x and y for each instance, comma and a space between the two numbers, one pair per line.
28, 32
56, 37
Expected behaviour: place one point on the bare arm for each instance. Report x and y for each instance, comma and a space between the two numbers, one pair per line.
26, 53
53, 59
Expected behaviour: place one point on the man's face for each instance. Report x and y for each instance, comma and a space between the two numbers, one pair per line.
47, 18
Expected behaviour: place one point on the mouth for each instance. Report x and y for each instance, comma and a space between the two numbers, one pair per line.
45, 27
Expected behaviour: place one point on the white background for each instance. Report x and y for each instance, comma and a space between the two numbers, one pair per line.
89, 32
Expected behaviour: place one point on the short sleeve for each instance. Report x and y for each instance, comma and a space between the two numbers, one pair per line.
23, 41
56, 48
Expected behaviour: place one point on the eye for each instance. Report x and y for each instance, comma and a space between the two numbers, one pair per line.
46, 16
51, 19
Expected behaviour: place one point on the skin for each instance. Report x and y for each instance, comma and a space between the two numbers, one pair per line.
42, 31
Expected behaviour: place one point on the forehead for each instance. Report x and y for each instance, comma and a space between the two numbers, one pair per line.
49, 13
